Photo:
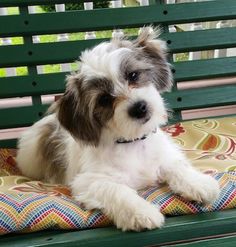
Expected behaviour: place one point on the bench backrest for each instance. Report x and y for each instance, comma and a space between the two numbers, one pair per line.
32, 54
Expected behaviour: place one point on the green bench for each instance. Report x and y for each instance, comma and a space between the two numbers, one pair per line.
219, 228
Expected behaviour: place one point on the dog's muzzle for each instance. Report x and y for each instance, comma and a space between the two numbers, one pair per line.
139, 110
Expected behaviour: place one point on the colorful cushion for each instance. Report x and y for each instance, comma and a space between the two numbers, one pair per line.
28, 206
210, 143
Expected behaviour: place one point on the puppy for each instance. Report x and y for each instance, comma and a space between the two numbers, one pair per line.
103, 136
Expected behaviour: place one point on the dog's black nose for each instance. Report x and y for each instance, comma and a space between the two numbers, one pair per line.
138, 110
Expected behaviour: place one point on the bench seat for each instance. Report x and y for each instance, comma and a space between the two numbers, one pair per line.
205, 229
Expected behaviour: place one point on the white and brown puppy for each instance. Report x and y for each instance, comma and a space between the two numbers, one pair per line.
103, 137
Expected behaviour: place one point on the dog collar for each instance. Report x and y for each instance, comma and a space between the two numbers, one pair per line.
124, 141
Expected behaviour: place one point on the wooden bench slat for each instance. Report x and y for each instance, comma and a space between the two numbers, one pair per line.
19, 86
36, 54
11, 143
229, 241
176, 229
21, 116
201, 40
205, 69
20, 3
199, 11
102, 19
73, 22
17, 55
202, 97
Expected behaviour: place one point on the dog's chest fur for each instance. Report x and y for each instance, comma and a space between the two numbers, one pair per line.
132, 163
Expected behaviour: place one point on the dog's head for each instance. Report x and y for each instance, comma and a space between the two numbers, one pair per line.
116, 92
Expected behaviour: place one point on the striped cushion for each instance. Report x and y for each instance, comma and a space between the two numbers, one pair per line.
28, 206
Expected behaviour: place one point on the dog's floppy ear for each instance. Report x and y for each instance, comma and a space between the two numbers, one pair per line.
156, 52
73, 113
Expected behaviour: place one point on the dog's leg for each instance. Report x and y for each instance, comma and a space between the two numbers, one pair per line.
188, 182
118, 201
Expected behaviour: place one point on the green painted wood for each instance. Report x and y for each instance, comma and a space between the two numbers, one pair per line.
176, 116
202, 97
100, 19
32, 70
225, 242
201, 11
10, 143
32, 85
19, 55
201, 40
36, 54
20, 3
21, 116
75, 21
181, 228
205, 69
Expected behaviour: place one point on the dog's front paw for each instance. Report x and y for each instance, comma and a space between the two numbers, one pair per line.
203, 188
141, 217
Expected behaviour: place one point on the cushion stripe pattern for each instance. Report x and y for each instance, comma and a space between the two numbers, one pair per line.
30, 211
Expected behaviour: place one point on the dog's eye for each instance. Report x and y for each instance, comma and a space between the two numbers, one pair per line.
105, 100
133, 76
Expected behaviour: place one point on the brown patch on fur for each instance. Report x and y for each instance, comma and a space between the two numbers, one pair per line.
162, 77
155, 50
151, 66
75, 118
102, 84
149, 57
79, 112
51, 149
